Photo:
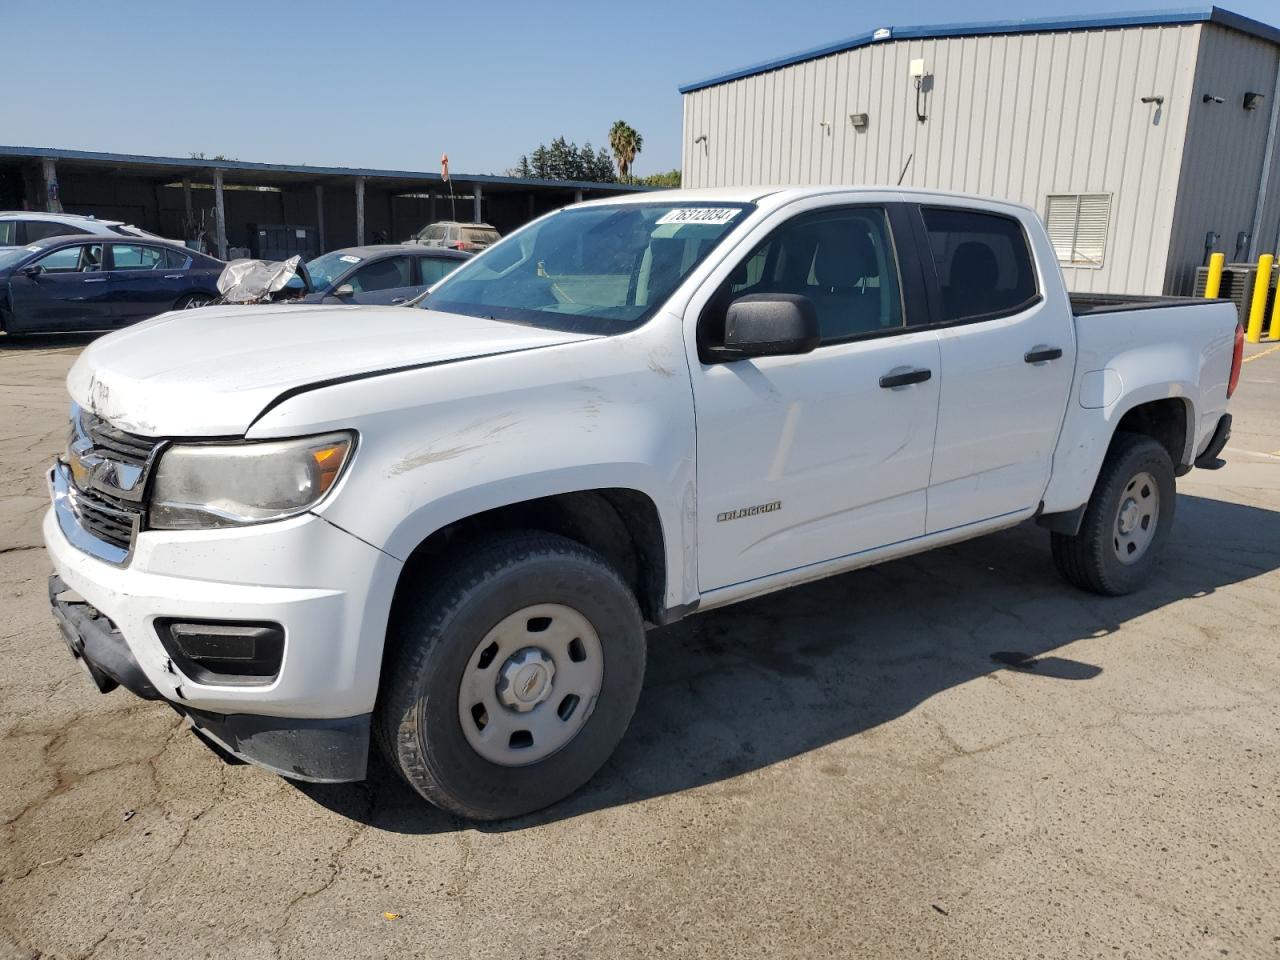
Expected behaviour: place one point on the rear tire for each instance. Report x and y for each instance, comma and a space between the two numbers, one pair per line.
528, 615
1126, 523
193, 301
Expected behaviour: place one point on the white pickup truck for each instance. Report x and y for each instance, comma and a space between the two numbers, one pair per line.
445, 526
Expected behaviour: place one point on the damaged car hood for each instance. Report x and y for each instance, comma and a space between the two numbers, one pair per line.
211, 372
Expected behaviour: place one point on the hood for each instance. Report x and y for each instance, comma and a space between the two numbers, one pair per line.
211, 372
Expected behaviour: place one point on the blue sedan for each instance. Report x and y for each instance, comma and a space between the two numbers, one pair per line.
79, 283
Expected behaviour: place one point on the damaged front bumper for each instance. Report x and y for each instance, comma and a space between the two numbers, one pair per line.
318, 750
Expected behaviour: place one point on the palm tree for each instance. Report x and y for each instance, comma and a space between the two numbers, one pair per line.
625, 143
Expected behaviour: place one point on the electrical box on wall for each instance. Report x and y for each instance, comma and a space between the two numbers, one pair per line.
917, 68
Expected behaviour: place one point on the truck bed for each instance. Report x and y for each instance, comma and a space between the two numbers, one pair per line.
1087, 304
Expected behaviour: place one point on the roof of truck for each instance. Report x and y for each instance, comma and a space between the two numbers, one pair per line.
754, 194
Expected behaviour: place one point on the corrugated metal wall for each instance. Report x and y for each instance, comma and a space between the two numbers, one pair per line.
1017, 116
1226, 146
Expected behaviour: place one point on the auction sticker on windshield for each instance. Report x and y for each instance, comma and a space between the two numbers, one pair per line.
714, 215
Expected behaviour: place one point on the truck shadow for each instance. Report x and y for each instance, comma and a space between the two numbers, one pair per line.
738, 689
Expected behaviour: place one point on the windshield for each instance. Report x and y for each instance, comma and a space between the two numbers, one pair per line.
12, 256
433, 231
599, 269
328, 268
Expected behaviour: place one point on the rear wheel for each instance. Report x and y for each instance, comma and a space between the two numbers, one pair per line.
193, 301
1126, 523
513, 678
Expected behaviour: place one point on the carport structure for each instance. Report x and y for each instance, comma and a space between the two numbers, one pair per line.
227, 202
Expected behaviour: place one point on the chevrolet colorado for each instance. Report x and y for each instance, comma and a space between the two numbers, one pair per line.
443, 527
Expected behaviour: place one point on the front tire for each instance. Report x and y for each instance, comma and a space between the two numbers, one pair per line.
511, 679
1126, 523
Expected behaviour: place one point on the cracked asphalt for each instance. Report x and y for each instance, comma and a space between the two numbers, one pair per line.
842, 769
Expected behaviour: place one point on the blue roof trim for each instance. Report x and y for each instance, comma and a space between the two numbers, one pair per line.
1044, 25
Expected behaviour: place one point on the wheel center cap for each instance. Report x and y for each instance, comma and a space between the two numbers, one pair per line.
1129, 514
529, 683
526, 679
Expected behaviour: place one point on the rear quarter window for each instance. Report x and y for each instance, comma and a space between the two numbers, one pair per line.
983, 263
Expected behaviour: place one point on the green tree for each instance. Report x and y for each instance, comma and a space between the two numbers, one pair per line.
625, 142
564, 160
670, 178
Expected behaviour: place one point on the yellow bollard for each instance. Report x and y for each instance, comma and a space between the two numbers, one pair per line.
1213, 282
1261, 287
1274, 332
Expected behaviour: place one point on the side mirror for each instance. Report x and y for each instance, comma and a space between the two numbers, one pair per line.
345, 290
32, 271
769, 325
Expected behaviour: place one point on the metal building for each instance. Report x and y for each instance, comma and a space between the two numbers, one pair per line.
1145, 140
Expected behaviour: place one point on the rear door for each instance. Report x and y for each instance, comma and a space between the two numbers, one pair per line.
818, 457
1007, 355
143, 283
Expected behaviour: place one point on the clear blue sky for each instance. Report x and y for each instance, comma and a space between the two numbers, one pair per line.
393, 83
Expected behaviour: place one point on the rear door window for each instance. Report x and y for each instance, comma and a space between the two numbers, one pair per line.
983, 263
436, 268
175, 259
129, 256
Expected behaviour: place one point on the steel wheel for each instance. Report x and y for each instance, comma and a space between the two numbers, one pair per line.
530, 684
1137, 518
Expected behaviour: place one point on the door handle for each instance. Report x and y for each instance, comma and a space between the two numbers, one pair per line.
96, 280
1042, 354
905, 379
173, 276
398, 299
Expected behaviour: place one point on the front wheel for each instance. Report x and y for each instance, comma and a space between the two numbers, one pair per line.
513, 678
1126, 523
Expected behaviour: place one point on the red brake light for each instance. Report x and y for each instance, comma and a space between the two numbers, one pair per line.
1237, 361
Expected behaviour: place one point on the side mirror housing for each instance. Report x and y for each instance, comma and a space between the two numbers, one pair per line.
33, 271
345, 290
769, 325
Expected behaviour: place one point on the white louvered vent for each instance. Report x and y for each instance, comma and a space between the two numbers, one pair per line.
1077, 224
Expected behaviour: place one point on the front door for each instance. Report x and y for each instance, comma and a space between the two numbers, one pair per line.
70, 292
805, 459
1007, 354
380, 281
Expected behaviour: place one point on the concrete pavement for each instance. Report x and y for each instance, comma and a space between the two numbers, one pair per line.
842, 769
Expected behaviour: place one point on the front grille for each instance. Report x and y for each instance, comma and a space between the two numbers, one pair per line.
116, 443
105, 517
108, 468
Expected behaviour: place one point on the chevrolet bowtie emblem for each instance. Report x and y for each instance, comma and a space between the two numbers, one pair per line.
89, 469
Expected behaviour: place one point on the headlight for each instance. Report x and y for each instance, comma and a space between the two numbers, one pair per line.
226, 485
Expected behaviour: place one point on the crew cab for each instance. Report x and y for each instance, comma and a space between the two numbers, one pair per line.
444, 528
